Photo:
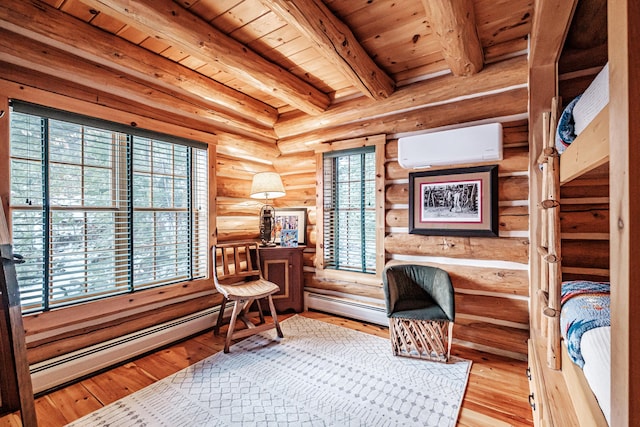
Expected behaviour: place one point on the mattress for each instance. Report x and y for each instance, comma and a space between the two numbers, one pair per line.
596, 352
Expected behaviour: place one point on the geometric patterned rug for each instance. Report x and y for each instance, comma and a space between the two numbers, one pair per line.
318, 375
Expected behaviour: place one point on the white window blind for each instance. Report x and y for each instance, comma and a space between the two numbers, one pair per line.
349, 210
99, 209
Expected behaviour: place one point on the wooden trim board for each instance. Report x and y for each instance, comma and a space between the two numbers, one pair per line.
589, 150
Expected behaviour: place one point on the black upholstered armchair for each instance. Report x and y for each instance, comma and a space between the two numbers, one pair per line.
421, 310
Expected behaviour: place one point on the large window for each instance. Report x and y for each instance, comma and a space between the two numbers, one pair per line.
349, 210
100, 209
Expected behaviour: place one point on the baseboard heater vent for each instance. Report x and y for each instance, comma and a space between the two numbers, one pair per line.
54, 372
347, 307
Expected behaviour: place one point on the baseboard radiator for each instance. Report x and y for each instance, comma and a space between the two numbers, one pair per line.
347, 307
64, 369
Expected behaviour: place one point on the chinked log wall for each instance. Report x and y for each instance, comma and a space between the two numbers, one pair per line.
492, 286
490, 274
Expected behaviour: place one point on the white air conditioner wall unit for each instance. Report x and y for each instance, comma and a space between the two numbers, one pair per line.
471, 144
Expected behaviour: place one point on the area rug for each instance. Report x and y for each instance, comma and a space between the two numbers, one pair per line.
319, 374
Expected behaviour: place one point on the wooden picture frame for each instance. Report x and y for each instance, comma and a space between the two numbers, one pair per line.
291, 219
454, 202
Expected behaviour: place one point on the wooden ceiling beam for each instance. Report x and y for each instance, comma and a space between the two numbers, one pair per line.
30, 54
336, 43
56, 28
454, 23
184, 30
551, 21
503, 104
512, 72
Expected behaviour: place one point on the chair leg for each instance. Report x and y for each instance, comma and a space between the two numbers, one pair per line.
220, 321
450, 340
260, 312
232, 324
274, 315
422, 339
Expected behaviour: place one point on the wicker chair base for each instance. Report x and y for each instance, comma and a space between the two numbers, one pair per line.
421, 339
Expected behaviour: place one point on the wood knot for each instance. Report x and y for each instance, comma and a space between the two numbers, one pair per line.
549, 203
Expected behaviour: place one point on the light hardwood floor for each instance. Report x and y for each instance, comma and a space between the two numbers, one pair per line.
496, 394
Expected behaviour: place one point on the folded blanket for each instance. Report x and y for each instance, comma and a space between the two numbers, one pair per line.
565, 132
592, 101
585, 306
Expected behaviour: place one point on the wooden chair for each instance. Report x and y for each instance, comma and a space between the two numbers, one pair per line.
237, 276
421, 309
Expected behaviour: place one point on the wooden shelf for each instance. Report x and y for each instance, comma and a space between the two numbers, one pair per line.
589, 150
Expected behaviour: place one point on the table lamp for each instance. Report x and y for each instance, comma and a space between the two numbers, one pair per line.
267, 185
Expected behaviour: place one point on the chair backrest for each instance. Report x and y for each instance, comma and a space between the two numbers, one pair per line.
410, 280
236, 263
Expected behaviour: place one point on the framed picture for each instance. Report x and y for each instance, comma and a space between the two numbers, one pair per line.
291, 219
454, 202
289, 238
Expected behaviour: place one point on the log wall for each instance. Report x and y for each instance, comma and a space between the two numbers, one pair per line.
490, 274
238, 214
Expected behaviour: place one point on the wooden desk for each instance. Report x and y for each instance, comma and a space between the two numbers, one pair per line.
283, 266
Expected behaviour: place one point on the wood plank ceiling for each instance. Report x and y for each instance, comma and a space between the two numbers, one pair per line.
270, 71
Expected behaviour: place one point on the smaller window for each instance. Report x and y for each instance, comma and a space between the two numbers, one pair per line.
349, 210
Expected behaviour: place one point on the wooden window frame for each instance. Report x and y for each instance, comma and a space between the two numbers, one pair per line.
379, 142
120, 173
100, 320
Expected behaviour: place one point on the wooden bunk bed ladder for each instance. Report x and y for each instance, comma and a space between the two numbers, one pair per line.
550, 288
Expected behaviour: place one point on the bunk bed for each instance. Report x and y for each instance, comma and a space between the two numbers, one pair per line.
590, 122
573, 316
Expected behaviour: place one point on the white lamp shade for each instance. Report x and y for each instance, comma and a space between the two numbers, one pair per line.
266, 185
